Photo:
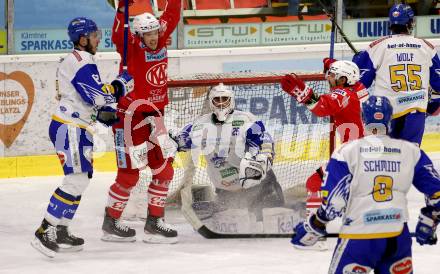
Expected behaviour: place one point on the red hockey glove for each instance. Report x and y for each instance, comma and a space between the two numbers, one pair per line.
296, 88
327, 63
314, 182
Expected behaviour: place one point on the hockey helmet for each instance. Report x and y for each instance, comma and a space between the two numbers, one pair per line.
376, 113
221, 109
401, 14
145, 22
347, 69
81, 26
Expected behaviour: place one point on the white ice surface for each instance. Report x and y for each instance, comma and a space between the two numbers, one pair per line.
23, 202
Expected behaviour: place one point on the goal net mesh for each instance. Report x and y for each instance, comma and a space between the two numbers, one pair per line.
302, 140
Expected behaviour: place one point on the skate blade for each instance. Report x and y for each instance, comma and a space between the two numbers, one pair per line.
319, 246
113, 238
159, 239
69, 248
35, 243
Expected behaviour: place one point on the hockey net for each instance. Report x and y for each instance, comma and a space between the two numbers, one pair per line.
302, 140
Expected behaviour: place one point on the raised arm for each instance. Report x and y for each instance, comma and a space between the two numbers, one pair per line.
170, 17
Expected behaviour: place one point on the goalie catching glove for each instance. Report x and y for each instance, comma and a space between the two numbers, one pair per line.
296, 87
253, 169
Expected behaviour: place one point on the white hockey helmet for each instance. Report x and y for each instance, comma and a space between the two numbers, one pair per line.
145, 22
347, 69
223, 109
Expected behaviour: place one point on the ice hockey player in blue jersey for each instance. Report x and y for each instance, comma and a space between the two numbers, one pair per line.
367, 181
239, 154
402, 68
83, 99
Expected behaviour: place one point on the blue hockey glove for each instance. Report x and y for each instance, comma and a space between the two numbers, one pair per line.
426, 227
107, 116
307, 233
123, 84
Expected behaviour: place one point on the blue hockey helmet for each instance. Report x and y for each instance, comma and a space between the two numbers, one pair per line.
80, 26
377, 112
401, 14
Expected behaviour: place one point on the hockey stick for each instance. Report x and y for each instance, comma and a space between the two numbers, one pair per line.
209, 234
332, 18
124, 56
332, 39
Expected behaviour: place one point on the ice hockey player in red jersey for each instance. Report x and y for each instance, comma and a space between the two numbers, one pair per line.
342, 103
141, 139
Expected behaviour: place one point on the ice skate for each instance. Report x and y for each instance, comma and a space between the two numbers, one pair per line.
45, 239
115, 231
159, 232
67, 242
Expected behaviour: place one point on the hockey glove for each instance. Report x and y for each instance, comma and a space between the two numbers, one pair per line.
307, 233
296, 88
427, 226
123, 84
253, 169
107, 116
314, 182
327, 63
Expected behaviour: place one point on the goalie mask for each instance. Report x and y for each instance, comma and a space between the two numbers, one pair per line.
221, 101
345, 69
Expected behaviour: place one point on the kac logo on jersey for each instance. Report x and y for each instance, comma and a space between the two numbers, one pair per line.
157, 75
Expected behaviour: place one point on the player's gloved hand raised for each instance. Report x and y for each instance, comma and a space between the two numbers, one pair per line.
427, 226
327, 63
307, 233
123, 84
296, 87
107, 116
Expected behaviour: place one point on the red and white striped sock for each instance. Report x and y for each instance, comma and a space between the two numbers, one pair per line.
157, 194
117, 200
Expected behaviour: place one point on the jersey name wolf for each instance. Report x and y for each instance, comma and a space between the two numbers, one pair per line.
80, 89
403, 68
367, 182
224, 145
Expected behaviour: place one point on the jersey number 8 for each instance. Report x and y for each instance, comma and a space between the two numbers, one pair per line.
383, 188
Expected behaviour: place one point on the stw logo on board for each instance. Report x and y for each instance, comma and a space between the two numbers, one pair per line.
17, 93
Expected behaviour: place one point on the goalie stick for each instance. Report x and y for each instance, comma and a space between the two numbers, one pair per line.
334, 23
209, 234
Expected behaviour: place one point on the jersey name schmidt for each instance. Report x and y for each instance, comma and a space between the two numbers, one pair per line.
381, 166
